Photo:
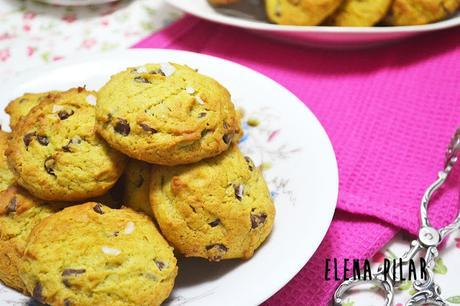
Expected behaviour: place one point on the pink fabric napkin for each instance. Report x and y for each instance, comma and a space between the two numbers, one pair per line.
389, 112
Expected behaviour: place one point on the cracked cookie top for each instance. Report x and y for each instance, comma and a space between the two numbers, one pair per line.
106, 257
56, 153
20, 107
219, 208
166, 114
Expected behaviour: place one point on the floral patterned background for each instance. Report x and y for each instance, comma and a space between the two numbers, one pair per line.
34, 34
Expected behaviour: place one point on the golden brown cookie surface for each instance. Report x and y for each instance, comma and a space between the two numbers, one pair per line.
359, 13
219, 208
415, 12
56, 154
136, 186
7, 177
21, 106
107, 257
166, 114
300, 12
19, 213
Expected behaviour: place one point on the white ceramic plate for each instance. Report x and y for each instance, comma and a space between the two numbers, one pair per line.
302, 176
250, 15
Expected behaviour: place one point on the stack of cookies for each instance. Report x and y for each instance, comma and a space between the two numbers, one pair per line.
355, 12
98, 188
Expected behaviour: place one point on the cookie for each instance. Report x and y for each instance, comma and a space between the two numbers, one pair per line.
300, 12
56, 153
219, 208
7, 177
136, 186
21, 106
359, 13
106, 257
19, 213
166, 114
414, 12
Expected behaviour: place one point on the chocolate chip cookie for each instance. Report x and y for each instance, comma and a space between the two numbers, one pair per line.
300, 12
21, 106
7, 177
219, 208
56, 153
136, 186
19, 213
106, 257
166, 114
414, 12
359, 13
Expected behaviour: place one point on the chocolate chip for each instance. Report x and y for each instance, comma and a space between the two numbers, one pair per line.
140, 182
50, 162
204, 133
239, 191
37, 292
98, 208
214, 223
73, 141
80, 89
140, 79
28, 138
201, 115
227, 138
73, 272
43, 140
161, 265
11, 205
225, 125
147, 128
217, 246
158, 71
122, 127
250, 163
63, 115
67, 302
258, 219
116, 233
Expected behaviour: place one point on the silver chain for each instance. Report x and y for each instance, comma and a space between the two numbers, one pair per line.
429, 238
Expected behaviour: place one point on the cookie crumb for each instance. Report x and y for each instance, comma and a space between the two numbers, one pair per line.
253, 122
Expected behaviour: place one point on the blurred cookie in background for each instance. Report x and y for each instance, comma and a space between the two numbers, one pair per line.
416, 12
359, 13
300, 12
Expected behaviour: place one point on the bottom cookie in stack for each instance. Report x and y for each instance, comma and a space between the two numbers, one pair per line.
91, 254
219, 208
19, 213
